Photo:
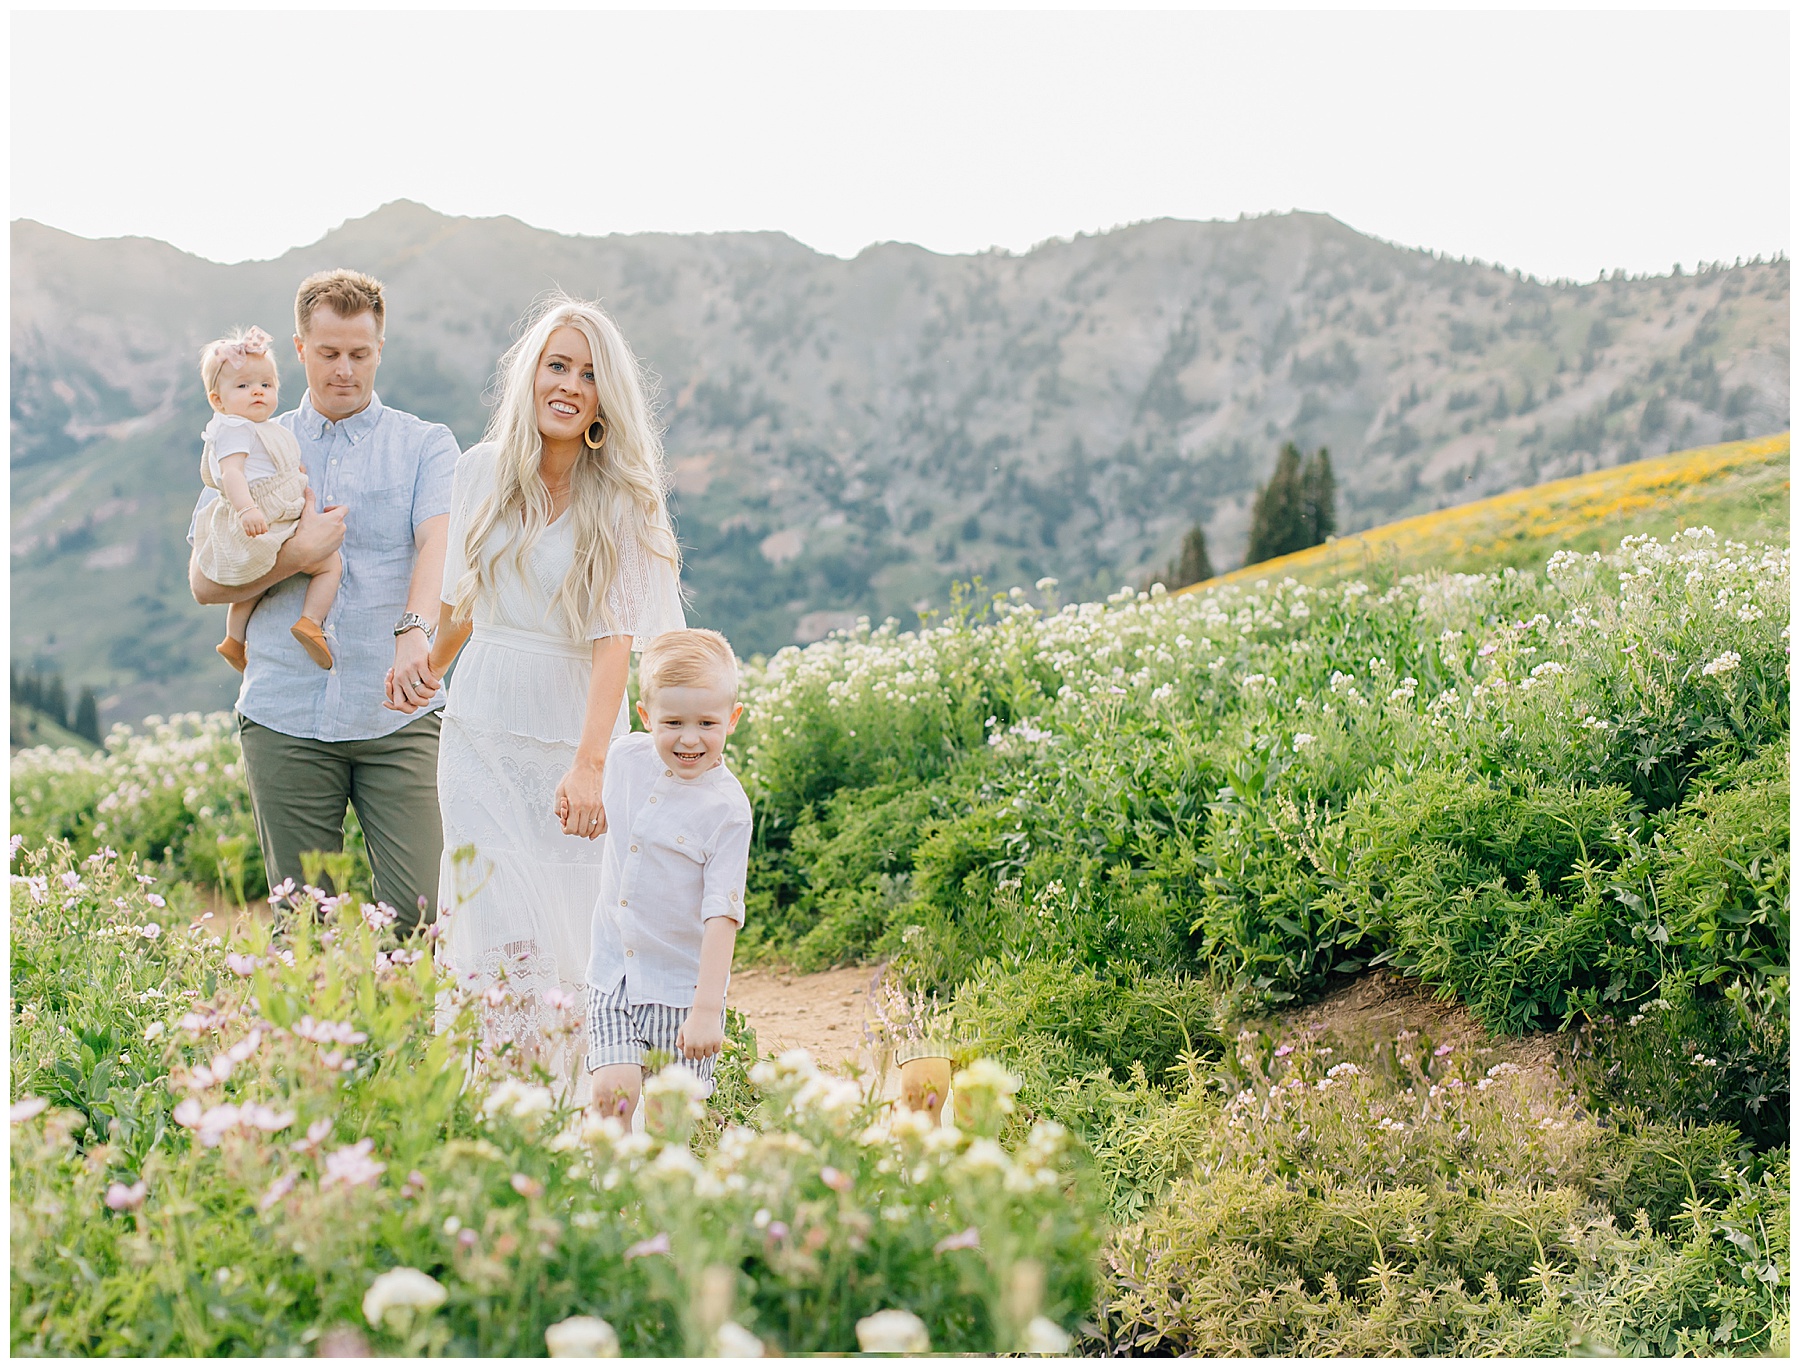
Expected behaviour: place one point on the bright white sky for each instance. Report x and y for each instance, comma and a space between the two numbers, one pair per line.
1563, 144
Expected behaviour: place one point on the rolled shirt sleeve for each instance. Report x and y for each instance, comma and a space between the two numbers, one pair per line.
727, 866
435, 481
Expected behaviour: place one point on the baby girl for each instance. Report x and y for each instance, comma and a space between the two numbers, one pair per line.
254, 463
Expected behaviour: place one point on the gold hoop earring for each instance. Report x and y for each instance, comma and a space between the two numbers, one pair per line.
595, 443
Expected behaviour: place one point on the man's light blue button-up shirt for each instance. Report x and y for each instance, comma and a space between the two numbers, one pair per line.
391, 471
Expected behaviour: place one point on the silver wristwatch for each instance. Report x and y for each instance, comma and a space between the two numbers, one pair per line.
408, 621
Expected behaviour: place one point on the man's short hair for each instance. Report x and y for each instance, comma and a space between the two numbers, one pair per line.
345, 293
694, 657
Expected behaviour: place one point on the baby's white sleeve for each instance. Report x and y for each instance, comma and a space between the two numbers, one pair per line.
644, 597
231, 436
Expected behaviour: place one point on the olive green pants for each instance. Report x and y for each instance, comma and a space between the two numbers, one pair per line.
299, 789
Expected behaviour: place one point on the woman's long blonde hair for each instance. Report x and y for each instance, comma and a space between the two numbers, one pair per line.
617, 491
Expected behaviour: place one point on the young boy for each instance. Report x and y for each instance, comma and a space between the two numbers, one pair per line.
672, 877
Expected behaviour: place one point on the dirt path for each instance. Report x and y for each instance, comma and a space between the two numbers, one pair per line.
825, 1013
822, 1013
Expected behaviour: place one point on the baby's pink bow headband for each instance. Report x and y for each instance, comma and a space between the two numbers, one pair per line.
255, 342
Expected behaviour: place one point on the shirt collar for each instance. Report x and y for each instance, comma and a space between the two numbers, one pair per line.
357, 426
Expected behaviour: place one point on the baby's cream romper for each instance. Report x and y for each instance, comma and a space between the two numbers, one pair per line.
223, 551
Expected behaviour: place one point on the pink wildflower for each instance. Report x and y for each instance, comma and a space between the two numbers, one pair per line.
352, 1166
527, 1186
241, 965
122, 1198
315, 1134
835, 1179
963, 1239
656, 1244
277, 1190
26, 1108
266, 1118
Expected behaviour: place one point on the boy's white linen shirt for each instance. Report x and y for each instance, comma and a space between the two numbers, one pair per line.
677, 851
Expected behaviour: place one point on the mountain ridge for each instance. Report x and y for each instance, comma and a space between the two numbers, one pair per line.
848, 435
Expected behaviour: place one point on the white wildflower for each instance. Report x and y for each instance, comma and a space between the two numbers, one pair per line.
401, 1289
893, 1331
582, 1337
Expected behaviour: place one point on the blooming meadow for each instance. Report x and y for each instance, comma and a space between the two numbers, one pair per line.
240, 1145
1108, 842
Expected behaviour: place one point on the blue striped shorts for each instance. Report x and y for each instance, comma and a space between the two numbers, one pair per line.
621, 1032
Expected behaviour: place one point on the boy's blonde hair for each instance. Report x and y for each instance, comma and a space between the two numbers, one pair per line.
694, 657
346, 293
237, 349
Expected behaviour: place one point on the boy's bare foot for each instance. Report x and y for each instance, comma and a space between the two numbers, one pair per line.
312, 636
233, 651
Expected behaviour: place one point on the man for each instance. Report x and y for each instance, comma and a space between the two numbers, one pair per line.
316, 740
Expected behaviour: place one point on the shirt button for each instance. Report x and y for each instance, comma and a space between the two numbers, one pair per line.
668, 774
681, 840
634, 848
653, 799
630, 953
623, 903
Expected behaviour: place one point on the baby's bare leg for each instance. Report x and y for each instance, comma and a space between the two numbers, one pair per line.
322, 592
237, 618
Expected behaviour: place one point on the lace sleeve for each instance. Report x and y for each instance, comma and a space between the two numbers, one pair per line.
644, 598
466, 489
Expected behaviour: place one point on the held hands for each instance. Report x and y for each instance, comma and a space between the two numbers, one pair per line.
702, 1035
412, 683
578, 805
254, 521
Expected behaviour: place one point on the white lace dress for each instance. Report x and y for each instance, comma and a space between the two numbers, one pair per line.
518, 895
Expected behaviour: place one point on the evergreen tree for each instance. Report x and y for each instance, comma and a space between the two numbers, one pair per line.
1319, 499
1296, 509
1277, 515
1194, 565
54, 700
1190, 566
87, 717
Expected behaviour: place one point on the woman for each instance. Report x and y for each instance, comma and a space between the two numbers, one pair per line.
560, 555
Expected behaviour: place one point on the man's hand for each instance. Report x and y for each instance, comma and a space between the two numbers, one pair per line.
578, 805
255, 523
319, 533
702, 1035
411, 684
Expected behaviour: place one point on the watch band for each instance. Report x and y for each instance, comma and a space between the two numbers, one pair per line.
408, 621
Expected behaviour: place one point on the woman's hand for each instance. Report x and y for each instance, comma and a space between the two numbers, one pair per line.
578, 805
412, 678
396, 700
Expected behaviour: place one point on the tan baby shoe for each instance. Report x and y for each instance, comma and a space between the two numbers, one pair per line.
233, 651
312, 636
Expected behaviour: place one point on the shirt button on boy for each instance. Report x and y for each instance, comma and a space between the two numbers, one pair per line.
634, 848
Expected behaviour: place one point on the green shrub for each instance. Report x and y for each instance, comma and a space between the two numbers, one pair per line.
1410, 1203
